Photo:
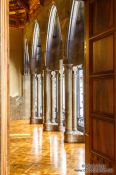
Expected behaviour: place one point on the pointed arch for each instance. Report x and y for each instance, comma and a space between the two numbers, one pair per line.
53, 33
75, 32
26, 57
36, 41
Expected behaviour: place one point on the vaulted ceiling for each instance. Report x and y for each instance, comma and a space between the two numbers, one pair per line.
20, 11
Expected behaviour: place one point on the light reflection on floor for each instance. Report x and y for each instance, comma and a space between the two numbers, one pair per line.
34, 152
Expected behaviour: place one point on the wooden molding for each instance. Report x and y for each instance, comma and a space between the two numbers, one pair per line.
4, 80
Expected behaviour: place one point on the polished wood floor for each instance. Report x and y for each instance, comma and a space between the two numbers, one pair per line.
34, 152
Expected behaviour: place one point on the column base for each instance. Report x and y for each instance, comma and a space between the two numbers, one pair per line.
50, 127
61, 128
74, 137
36, 120
47, 126
53, 121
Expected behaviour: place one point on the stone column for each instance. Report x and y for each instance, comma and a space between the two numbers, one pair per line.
26, 95
47, 100
68, 137
34, 116
39, 98
57, 98
60, 100
60, 96
74, 110
39, 94
43, 95
53, 96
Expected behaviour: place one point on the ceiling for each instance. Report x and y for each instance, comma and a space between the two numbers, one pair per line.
20, 11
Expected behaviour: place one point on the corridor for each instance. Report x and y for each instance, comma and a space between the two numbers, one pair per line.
34, 152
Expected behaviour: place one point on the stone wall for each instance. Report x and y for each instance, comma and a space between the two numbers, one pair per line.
17, 108
16, 61
20, 106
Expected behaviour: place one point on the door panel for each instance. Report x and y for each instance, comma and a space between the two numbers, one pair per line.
103, 138
101, 15
101, 89
100, 84
103, 54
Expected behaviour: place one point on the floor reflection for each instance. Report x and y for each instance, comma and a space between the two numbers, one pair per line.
34, 152
37, 140
58, 154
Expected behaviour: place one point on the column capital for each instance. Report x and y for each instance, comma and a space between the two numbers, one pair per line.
68, 66
75, 69
39, 76
80, 66
47, 70
53, 73
61, 72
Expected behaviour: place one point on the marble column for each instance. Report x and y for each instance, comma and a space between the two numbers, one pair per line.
74, 91
39, 98
34, 116
57, 90
43, 94
60, 96
60, 100
47, 100
68, 135
26, 95
53, 73
39, 95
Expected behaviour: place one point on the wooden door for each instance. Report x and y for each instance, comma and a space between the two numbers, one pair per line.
100, 84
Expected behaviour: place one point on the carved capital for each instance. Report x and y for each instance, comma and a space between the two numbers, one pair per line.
75, 69
39, 76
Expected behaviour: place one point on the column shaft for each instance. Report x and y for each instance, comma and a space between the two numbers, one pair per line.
26, 95
47, 100
53, 96
68, 102
39, 95
60, 104
74, 111
43, 95
57, 90
34, 116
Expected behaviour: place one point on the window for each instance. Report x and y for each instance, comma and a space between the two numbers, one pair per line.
80, 100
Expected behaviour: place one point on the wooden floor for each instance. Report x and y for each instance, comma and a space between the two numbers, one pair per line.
34, 152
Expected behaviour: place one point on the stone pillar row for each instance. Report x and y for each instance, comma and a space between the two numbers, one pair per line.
36, 97
71, 135
53, 100
44, 94
50, 98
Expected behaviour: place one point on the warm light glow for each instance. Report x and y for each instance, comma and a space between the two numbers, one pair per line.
72, 24
37, 141
36, 39
59, 160
51, 23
